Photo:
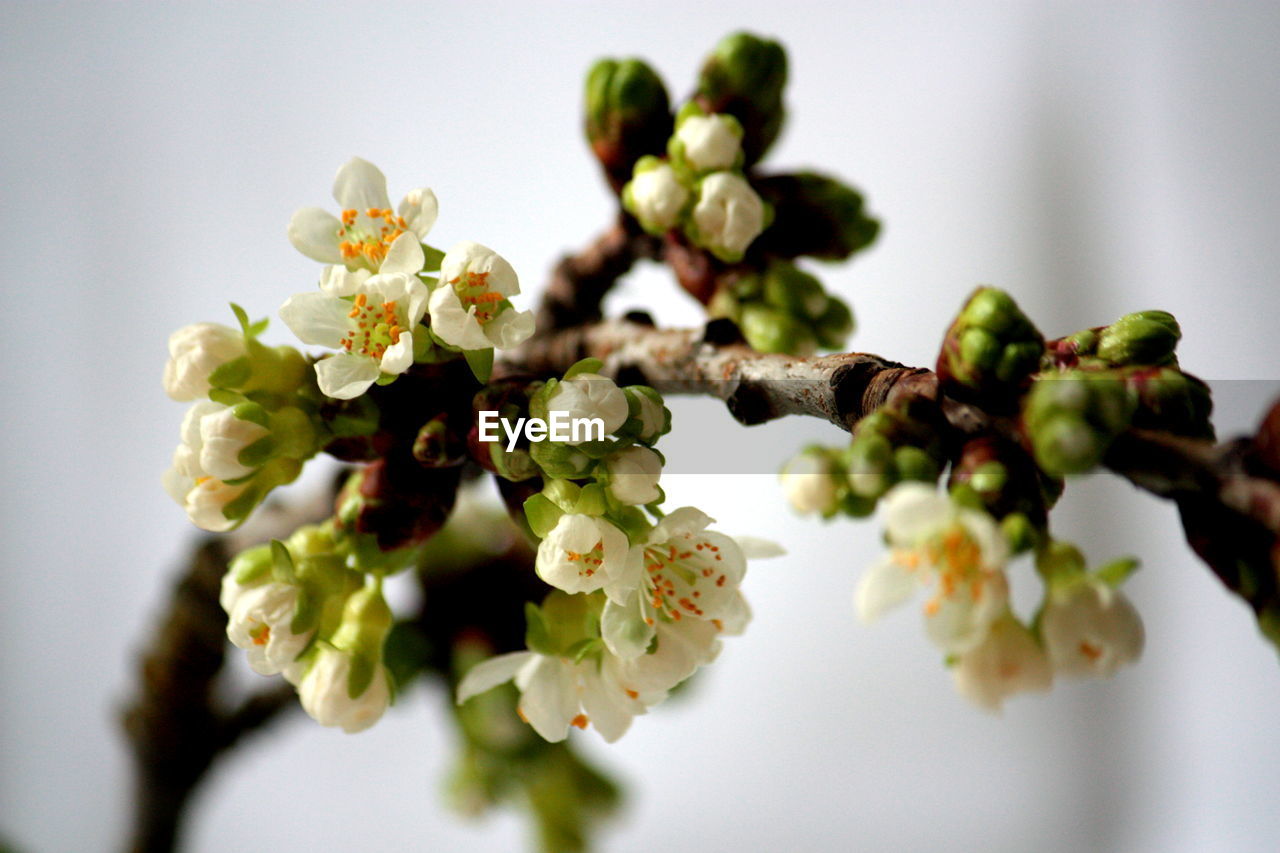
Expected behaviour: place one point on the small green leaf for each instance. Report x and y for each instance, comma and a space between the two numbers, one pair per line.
543, 515
587, 365
481, 362
1116, 572
232, 374
434, 256
361, 675
536, 635
258, 327
225, 397
592, 500
241, 317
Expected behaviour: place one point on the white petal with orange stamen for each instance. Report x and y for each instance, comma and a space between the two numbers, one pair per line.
367, 229
469, 307
1090, 629
581, 553
1007, 661
957, 553
259, 622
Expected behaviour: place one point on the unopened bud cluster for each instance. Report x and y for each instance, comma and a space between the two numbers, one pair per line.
784, 309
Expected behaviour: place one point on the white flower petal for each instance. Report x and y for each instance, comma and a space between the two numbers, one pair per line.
549, 697
419, 209
884, 586
624, 629
317, 318
453, 324
510, 328
755, 548
337, 280
709, 142
735, 616
399, 356
360, 185
1008, 660
488, 674
470, 257
314, 233
605, 703
914, 510
404, 256
345, 376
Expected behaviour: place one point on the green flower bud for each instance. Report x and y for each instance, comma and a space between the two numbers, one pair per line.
790, 288
1143, 338
991, 349
1018, 531
814, 215
870, 465
1170, 400
366, 621
628, 115
913, 463
1073, 417
744, 76
770, 329
724, 304
835, 325
1059, 562
436, 447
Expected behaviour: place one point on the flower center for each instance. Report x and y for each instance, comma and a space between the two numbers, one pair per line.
261, 634
587, 562
369, 235
674, 575
372, 329
958, 561
473, 292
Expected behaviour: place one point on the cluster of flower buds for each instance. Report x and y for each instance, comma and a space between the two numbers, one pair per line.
299, 610
892, 445
991, 350
641, 598
251, 427
1085, 626
699, 186
784, 309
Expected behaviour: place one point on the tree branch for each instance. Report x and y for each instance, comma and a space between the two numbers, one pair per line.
579, 282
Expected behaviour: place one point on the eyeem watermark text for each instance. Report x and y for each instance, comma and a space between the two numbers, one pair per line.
560, 427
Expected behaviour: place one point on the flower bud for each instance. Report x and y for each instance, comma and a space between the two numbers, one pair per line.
195, 352
744, 76
706, 143
656, 196
435, 446
226, 435
633, 476
870, 465
728, 216
1090, 629
260, 621
1142, 338
815, 215
1008, 661
991, 348
587, 396
835, 324
770, 329
790, 288
1073, 417
809, 482
325, 692
628, 115
646, 406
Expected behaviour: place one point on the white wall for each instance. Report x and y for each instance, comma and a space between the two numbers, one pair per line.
1092, 158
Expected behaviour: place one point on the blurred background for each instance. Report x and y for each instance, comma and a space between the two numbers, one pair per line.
1092, 158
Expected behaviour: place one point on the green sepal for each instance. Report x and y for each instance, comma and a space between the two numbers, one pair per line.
257, 454
543, 515
252, 412
536, 635
361, 675
225, 397
232, 374
242, 317
481, 363
258, 328
586, 365
251, 565
281, 562
386, 378
592, 500
1115, 573
582, 649
433, 258
308, 609
559, 461
631, 521
238, 510
562, 493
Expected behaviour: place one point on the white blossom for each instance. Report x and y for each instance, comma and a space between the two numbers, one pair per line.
470, 306
222, 437
364, 235
325, 695
195, 352
681, 572
710, 143
1007, 661
374, 330
259, 622
589, 395
633, 475
581, 553
959, 553
657, 197
808, 481
1090, 629
203, 495
728, 215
